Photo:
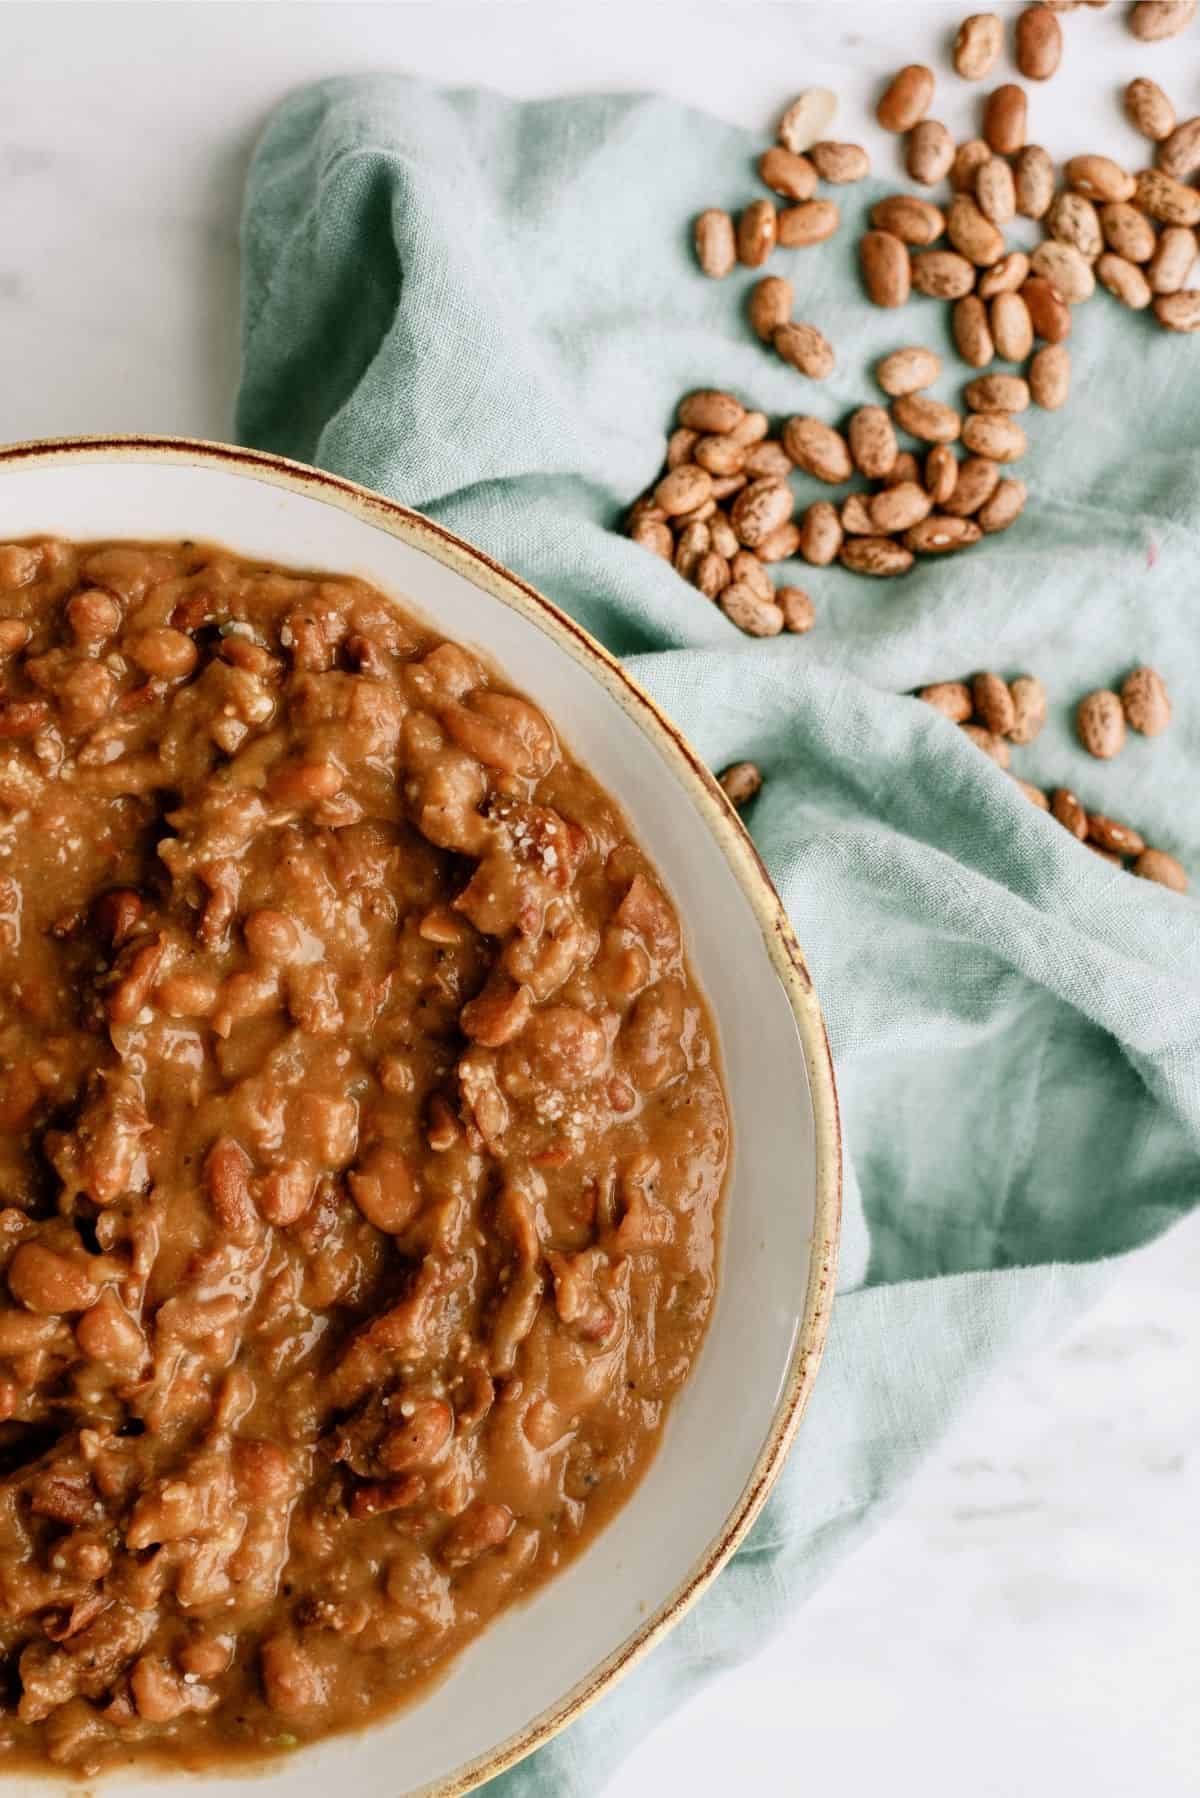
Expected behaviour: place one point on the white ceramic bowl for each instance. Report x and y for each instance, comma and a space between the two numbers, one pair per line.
730, 1428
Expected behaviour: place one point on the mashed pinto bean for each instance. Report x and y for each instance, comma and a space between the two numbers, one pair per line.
361, 1149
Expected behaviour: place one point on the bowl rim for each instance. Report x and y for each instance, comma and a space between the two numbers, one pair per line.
786, 956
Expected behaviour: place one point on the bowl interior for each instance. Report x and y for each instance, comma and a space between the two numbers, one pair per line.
747, 1376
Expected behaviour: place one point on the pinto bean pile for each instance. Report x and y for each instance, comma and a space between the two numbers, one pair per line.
361, 1148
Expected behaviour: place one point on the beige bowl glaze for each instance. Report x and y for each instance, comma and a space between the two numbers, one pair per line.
545, 1661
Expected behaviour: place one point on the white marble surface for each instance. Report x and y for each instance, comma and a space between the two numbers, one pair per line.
1028, 1621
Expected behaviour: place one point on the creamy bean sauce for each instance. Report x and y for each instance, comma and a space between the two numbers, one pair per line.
362, 1142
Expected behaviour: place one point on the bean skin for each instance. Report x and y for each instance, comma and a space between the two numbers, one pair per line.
49, 1282
168, 653
420, 1439
384, 1191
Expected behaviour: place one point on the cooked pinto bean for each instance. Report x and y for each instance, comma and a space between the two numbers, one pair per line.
312, 1000
85, 696
66, 1496
246, 995
481, 1526
420, 1439
503, 733
497, 1015
443, 1129
14, 635
652, 1039
20, 1333
564, 1044
106, 1155
19, 564
285, 1194
50, 1282
294, 1683
384, 1192
327, 1128
22, 717
160, 1694
305, 783
227, 1176
206, 1657
186, 995
361, 1147
262, 1472
85, 1555
445, 796
168, 653
577, 1298
645, 910
137, 977
106, 1332
272, 936
381, 1496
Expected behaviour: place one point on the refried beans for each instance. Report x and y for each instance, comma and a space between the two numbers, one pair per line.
362, 1141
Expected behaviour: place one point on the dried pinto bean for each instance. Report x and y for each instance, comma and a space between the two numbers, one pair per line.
1004, 119
1148, 109
1124, 280
1005, 276
806, 348
878, 556
1029, 708
911, 219
1011, 327
716, 245
977, 479
938, 534
1173, 257
942, 274
906, 99
807, 119
740, 782
710, 409
820, 534
968, 158
979, 42
1039, 43
787, 173
1049, 313
973, 235
908, 370
940, 474
1152, 20
929, 152
770, 305
930, 420
885, 268
1033, 177
951, 698
799, 613
839, 163
818, 449
896, 508
1003, 508
813, 221
756, 233
872, 441
756, 616
760, 509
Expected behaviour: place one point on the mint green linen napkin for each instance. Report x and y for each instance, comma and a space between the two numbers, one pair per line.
489, 309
